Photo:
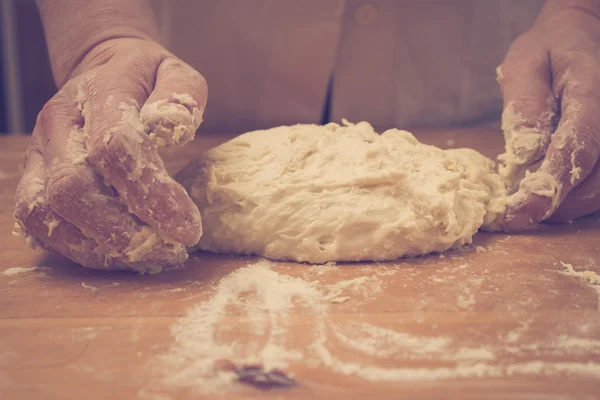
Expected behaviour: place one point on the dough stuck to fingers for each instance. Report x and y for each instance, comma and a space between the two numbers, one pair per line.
173, 112
66, 205
526, 142
128, 161
171, 122
144, 252
35, 219
101, 181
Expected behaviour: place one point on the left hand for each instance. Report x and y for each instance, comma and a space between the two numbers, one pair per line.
94, 187
550, 81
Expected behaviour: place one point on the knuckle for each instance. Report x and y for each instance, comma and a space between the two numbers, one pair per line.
530, 107
45, 117
119, 151
53, 111
519, 64
174, 62
524, 55
190, 74
64, 185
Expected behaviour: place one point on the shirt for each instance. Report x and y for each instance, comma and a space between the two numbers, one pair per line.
403, 63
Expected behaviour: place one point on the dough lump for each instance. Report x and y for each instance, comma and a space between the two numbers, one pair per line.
315, 194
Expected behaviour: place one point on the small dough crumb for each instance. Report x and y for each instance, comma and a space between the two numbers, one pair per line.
20, 270
339, 300
91, 288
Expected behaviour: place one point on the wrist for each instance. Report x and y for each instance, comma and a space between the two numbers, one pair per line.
74, 28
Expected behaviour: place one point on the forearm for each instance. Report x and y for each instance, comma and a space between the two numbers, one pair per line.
74, 27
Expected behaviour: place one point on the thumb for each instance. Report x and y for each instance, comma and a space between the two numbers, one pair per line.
530, 108
173, 111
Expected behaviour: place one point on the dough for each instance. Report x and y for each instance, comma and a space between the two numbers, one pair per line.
315, 194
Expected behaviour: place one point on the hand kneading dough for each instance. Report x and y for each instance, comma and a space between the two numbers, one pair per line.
340, 193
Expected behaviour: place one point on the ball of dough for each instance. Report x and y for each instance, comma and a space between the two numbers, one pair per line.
315, 194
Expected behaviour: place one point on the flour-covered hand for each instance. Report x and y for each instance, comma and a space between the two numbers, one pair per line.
94, 187
550, 81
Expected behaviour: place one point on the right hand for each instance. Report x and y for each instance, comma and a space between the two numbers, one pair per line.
94, 188
551, 87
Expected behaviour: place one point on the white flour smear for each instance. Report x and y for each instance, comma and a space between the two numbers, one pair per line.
591, 278
254, 311
21, 270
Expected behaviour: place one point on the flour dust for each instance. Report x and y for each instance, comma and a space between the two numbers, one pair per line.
258, 317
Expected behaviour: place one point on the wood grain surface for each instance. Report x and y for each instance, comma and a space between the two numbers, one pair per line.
500, 319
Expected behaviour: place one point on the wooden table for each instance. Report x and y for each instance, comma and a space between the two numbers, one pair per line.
503, 318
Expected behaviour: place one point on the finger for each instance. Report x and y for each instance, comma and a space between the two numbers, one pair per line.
583, 200
125, 156
76, 193
37, 220
173, 112
570, 158
529, 116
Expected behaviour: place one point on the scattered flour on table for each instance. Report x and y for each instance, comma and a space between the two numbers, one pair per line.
590, 277
88, 287
514, 335
175, 290
341, 299
84, 334
22, 270
252, 316
466, 300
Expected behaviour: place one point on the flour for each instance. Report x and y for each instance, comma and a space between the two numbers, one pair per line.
583, 345
268, 298
172, 122
525, 145
340, 300
590, 277
323, 269
88, 287
380, 342
514, 335
263, 303
361, 285
21, 270
255, 313
499, 74
466, 301
175, 290
470, 370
